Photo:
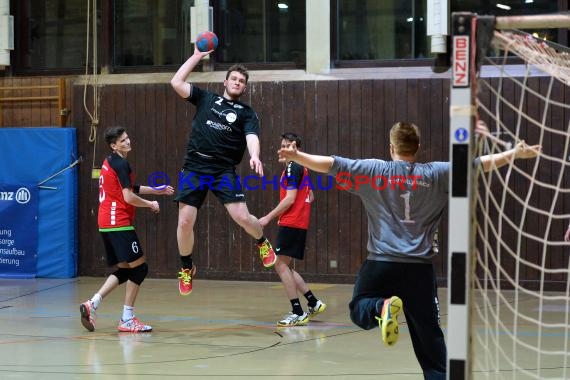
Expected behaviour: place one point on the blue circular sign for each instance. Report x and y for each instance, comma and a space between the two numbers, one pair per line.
461, 134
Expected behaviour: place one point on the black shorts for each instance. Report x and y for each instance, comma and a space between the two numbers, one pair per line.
121, 246
291, 242
193, 187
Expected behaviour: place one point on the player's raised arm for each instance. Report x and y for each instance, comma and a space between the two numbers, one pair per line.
178, 81
321, 164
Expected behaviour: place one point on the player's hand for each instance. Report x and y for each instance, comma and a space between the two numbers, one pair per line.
567, 235
199, 53
154, 207
522, 150
264, 221
256, 165
288, 152
481, 129
166, 190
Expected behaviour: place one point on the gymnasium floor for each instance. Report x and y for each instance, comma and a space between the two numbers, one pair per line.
223, 330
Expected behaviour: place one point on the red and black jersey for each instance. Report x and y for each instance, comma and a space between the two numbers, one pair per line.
296, 176
116, 175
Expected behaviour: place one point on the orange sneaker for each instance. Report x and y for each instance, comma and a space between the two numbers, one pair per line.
185, 280
267, 254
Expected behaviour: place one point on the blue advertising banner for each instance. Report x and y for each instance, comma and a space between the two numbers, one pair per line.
18, 230
50, 155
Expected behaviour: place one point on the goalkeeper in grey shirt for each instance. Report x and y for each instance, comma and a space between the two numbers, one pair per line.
404, 201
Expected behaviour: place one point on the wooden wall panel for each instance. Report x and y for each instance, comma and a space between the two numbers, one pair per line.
437, 136
530, 250
334, 223
27, 113
552, 144
308, 133
352, 217
349, 118
368, 130
320, 211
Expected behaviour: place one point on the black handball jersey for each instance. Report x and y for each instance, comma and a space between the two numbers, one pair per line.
218, 130
116, 175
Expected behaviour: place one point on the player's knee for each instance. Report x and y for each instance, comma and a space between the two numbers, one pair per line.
185, 224
138, 274
122, 274
242, 219
357, 318
281, 265
187, 217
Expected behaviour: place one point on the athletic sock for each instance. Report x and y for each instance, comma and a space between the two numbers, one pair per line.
297, 309
186, 261
127, 313
261, 240
96, 300
311, 299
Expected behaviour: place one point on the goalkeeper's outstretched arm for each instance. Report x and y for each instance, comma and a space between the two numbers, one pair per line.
321, 164
521, 150
494, 161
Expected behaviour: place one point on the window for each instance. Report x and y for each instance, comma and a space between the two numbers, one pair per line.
260, 31
373, 30
150, 32
512, 8
154, 35
145, 35
49, 34
377, 30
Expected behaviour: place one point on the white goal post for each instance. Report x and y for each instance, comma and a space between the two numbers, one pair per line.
471, 37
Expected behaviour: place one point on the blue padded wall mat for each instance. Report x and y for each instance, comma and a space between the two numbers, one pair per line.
31, 155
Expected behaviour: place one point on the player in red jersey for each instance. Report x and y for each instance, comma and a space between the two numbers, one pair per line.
117, 202
294, 212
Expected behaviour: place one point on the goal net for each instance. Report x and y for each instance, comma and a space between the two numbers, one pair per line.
520, 305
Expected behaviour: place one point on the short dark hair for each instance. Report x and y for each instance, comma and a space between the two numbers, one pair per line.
240, 69
405, 137
290, 136
112, 134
